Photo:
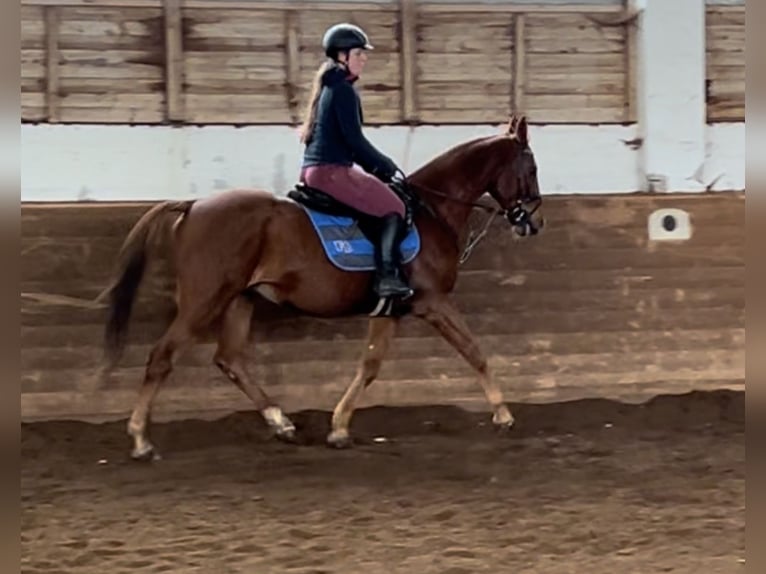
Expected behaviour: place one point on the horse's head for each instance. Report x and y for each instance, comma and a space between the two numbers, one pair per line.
515, 187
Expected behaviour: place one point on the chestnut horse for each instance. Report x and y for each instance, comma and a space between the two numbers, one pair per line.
227, 246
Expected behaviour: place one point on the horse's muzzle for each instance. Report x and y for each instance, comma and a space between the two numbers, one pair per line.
522, 219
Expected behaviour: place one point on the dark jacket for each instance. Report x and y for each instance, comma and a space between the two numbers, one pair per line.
337, 137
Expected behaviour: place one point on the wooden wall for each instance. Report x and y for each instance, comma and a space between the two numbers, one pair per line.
233, 62
589, 308
725, 63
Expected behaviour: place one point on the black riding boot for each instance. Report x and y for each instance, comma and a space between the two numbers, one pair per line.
389, 281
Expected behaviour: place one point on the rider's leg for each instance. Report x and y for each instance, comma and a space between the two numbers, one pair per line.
369, 195
355, 188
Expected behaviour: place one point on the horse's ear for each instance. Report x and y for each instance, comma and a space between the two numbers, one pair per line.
522, 131
513, 123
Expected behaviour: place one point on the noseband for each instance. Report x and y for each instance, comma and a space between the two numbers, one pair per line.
521, 218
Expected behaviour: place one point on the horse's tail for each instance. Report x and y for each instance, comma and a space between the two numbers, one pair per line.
131, 264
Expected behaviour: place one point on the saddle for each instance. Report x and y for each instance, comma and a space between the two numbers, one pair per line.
348, 236
318, 200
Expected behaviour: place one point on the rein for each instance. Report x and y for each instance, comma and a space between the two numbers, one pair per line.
518, 216
487, 208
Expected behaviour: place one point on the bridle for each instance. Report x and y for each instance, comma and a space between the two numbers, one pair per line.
518, 215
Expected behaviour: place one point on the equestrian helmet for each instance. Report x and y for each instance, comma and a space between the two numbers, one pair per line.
343, 37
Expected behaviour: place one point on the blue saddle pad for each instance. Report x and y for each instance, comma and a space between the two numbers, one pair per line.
348, 248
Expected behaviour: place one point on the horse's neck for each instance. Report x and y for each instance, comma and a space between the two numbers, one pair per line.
463, 174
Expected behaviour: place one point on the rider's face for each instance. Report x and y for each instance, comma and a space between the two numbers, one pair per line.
357, 58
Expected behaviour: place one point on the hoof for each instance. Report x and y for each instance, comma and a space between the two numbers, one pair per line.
147, 454
339, 440
287, 436
503, 429
503, 421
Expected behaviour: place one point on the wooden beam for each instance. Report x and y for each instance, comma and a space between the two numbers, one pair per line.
520, 8
174, 61
96, 3
52, 95
519, 63
292, 64
408, 11
631, 72
300, 5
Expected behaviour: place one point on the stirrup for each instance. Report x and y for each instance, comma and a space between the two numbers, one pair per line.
404, 292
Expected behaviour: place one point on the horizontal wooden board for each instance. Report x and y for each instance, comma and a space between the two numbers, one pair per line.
32, 27
119, 65
33, 106
576, 107
257, 113
112, 107
33, 63
725, 55
208, 66
575, 82
104, 29
571, 33
382, 28
224, 30
456, 33
462, 68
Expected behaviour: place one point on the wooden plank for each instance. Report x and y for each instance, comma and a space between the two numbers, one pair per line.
494, 90
111, 86
519, 62
33, 106
112, 108
604, 62
52, 64
438, 33
206, 67
381, 27
462, 67
226, 30
631, 72
544, 82
409, 77
33, 63
464, 116
503, 8
126, 65
725, 59
573, 115
479, 100
174, 61
32, 27
237, 109
431, 362
293, 65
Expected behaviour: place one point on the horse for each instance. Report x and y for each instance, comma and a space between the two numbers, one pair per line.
228, 247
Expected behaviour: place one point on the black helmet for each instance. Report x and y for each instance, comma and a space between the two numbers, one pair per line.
341, 37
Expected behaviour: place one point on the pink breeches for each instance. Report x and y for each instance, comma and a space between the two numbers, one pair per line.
355, 188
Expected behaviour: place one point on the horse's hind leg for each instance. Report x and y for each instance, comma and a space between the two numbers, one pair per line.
229, 358
444, 316
379, 335
158, 367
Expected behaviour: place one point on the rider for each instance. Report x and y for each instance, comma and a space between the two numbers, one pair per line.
332, 132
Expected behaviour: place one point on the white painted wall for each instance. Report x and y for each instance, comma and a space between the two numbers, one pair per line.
80, 163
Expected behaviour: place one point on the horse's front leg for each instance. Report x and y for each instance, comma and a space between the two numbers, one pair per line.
440, 312
380, 333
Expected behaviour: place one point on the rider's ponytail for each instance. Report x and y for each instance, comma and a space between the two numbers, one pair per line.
307, 128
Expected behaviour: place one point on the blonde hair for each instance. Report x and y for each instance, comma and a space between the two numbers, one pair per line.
307, 128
